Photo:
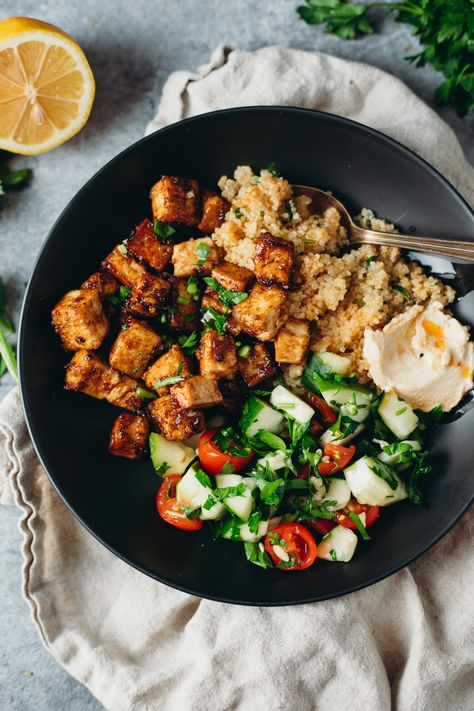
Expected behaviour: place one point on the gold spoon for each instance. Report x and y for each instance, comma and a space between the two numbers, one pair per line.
321, 201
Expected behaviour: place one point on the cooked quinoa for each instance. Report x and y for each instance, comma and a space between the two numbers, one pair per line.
340, 292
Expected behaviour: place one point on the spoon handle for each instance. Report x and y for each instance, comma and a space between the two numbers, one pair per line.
462, 249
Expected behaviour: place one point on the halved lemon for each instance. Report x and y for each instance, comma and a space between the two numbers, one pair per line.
46, 86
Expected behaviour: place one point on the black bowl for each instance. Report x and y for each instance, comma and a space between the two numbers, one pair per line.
114, 498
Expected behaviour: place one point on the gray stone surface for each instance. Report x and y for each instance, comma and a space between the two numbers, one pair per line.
132, 47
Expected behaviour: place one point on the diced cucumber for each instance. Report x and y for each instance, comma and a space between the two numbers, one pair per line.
373, 482
275, 460
338, 364
392, 459
338, 491
294, 406
174, 455
244, 534
358, 409
225, 480
257, 415
338, 545
336, 394
397, 415
215, 513
331, 435
190, 492
240, 506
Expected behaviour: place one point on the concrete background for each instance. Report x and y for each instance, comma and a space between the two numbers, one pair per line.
132, 48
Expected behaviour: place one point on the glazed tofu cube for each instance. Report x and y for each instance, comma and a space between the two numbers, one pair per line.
145, 246
196, 256
232, 394
210, 300
292, 341
258, 365
129, 436
273, 260
173, 422
135, 346
80, 321
214, 210
217, 355
103, 282
88, 374
167, 366
184, 312
232, 277
196, 392
121, 265
148, 295
263, 313
176, 199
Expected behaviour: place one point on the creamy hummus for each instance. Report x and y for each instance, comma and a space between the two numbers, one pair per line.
424, 355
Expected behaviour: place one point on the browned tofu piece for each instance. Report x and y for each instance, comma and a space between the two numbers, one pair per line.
88, 374
210, 300
135, 346
196, 256
263, 313
214, 210
148, 295
167, 366
184, 312
103, 282
273, 260
292, 341
176, 199
145, 246
80, 321
196, 392
257, 366
217, 355
129, 436
173, 422
232, 277
123, 267
232, 393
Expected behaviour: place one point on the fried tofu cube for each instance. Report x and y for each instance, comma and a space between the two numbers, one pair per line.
232, 277
217, 355
148, 295
258, 365
167, 366
292, 341
232, 393
88, 374
80, 321
263, 313
145, 246
274, 259
214, 210
184, 312
103, 282
129, 436
210, 300
196, 392
121, 265
135, 346
173, 422
196, 256
176, 199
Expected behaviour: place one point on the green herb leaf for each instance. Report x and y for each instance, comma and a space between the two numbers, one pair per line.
420, 470
164, 382
272, 169
360, 526
272, 440
256, 556
146, 394
229, 440
333, 554
162, 469
213, 320
189, 343
228, 298
162, 229
384, 472
237, 212
202, 250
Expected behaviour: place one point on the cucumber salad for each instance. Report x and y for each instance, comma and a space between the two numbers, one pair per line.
300, 476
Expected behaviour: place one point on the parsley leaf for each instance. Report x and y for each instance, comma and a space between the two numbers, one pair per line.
360, 526
189, 343
255, 555
162, 229
420, 469
228, 298
213, 320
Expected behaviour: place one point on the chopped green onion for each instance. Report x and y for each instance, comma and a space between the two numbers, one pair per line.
6, 352
122, 249
360, 526
164, 382
146, 394
162, 229
244, 351
202, 251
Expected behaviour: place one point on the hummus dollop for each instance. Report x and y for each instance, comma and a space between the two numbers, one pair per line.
424, 355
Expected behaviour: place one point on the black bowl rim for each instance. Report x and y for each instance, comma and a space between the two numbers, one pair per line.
295, 111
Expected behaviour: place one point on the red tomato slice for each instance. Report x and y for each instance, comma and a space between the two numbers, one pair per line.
296, 541
322, 525
169, 509
371, 514
213, 459
339, 457
324, 410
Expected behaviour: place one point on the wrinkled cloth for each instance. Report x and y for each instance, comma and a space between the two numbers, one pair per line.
405, 643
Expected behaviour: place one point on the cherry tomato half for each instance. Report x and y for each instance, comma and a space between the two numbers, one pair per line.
296, 541
324, 410
371, 514
169, 509
213, 459
323, 525
339, 457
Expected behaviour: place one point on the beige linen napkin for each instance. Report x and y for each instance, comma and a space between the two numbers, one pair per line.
405, 643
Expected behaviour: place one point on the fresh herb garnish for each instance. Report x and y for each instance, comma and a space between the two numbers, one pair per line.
384, 472
172, 380
146, 394
122, 295
401, 411
162, 469
420, 469
162, 229
272, 440
370, 259
189, 343
401, 290
257, 556
213, 320
11, 179
360, 526
228, 298
237, 212
193, 288
333, 554
202, 250
271, 167
254, 521
230, 441
203, 478
7, 356
244, 351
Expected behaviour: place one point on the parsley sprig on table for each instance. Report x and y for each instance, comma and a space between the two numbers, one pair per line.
11, 179
7, 356
445, 29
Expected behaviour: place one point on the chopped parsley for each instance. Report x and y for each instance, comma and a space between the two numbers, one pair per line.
237, 212
333, 555
162, 469
228, 298
271, 167
372, 258
257, 556
401, 290
162, 229
213, 320
189, 343
360, 526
